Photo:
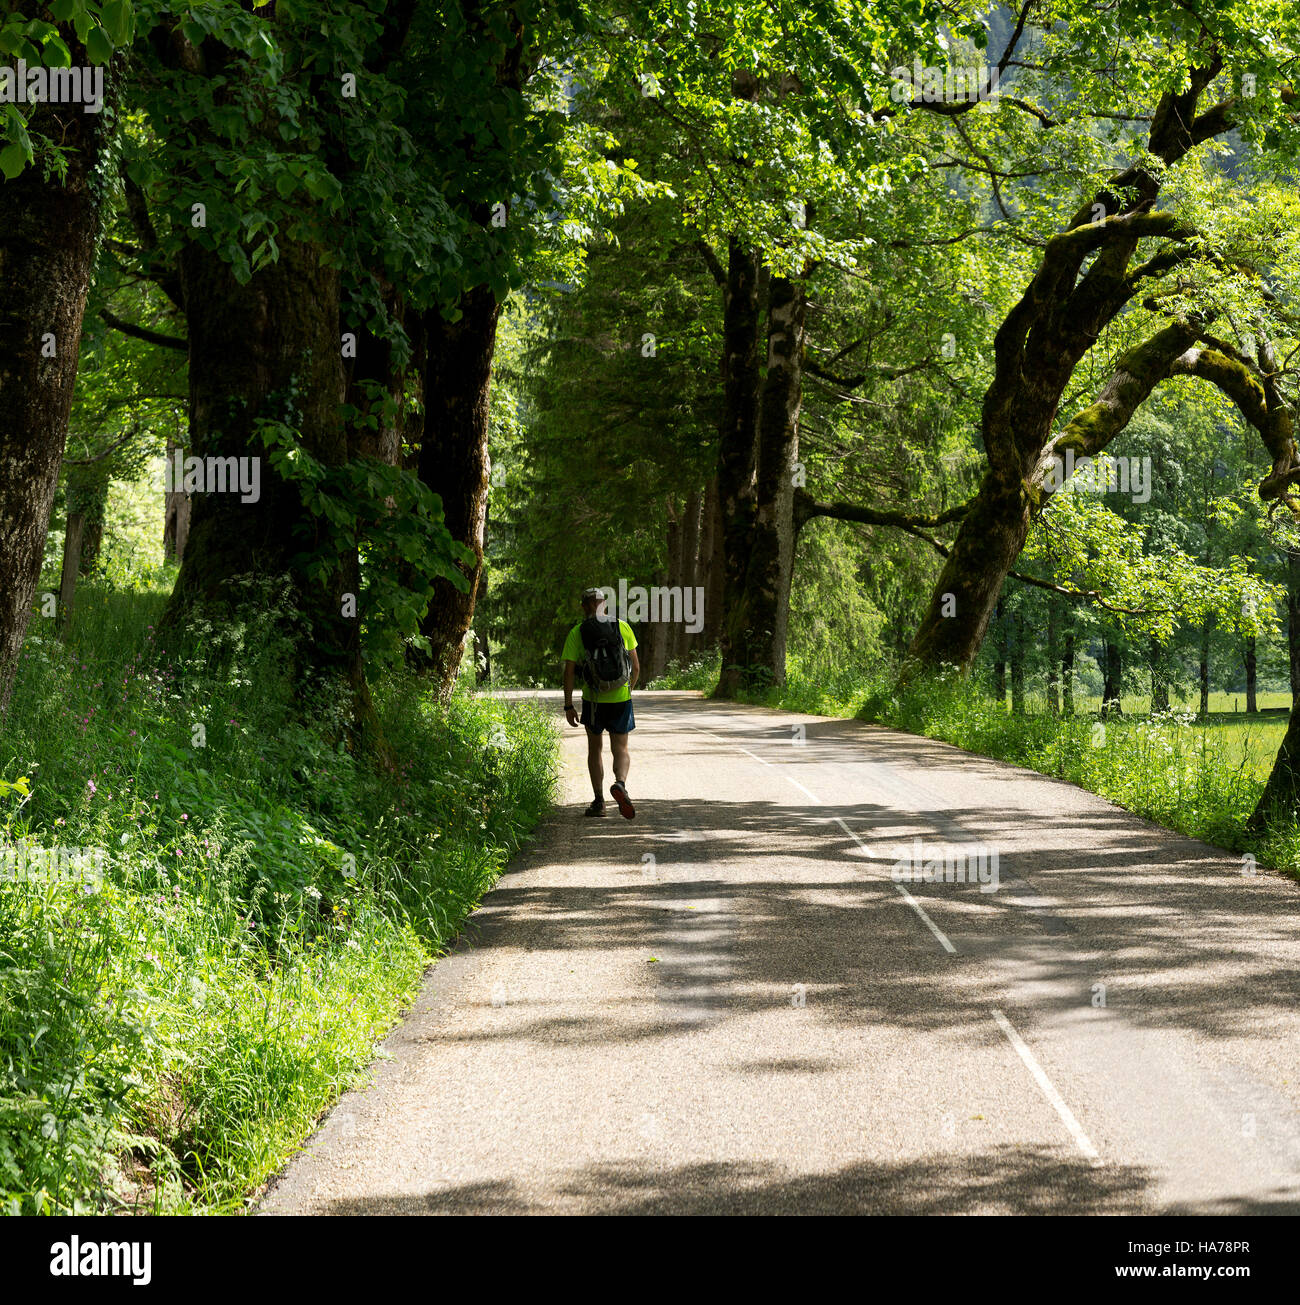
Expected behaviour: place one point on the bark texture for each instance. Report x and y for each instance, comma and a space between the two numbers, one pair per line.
454, 461
251, 347
48, 231
737, 458
1280, 799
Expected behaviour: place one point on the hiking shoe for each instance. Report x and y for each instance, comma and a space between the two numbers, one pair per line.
597, 808
619, 793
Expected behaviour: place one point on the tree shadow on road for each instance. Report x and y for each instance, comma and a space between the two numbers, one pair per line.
784, 896
1003, 1180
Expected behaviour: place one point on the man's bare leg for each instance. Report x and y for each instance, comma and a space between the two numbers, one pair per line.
595, 765
622, 761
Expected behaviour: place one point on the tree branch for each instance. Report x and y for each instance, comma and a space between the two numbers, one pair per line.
144, 333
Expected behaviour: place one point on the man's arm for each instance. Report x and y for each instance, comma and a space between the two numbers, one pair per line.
636, 670
570, 672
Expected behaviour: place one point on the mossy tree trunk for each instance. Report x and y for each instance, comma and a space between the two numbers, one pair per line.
1084, 280
270, 350
1017, 423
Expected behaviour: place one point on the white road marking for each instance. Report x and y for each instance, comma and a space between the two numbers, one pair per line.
1049, 1091
851, 834
907, 897
929, 923
1081, 1139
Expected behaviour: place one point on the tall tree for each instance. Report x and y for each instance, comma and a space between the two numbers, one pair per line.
50, 208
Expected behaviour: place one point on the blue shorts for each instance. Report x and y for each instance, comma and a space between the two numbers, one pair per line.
616, 717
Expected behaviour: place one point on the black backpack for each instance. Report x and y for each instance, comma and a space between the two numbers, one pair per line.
605, 663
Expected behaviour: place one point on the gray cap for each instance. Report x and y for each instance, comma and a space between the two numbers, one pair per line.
593, 591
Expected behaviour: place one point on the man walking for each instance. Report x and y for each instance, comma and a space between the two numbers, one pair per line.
603, 652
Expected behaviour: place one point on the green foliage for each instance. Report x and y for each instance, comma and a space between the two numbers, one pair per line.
93, 29
269, 904
388, 515
1095, 550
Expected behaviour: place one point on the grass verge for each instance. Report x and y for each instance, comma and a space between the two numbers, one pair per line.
208, 914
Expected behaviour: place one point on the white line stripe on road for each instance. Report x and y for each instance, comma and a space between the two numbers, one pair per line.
800, 787
716, 739
851, 834
907, 897
929, 923
1049, 1091
1081, 1139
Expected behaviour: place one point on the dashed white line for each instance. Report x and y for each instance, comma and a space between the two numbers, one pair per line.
907, 897
851, 834
929, 923
1048, 1089
1081, 1138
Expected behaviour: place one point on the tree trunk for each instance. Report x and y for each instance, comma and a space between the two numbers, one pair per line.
1293, 620
48, 230
482, 657
988, 542
454, 461
1053, 660
1000, 665
1067, 675
1113, 680
737, 465
1281, 796
713, 564
1018, 663
681, 640
375, 386
1204, 668
270, 350
1159, 678
176, 514
1251, 704
771, 554
71, 568
1020, 408
660, 635
93, 501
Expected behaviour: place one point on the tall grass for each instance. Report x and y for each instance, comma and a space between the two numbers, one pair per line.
171, 1030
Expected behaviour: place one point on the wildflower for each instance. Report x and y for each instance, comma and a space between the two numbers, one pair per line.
90, 784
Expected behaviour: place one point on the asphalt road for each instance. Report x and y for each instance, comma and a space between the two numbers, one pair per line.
729, 1005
